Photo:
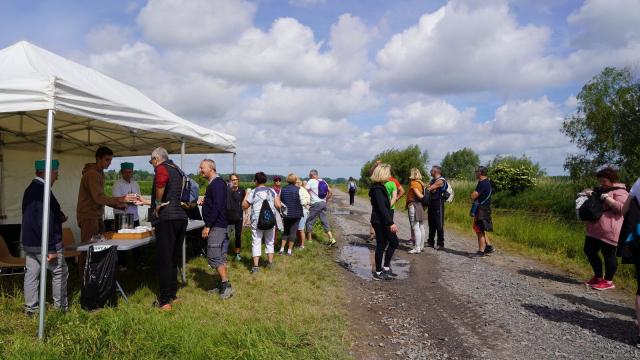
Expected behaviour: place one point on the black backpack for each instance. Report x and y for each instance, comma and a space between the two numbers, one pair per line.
426, 197
592, 209
266, 218
188, 194
234, 209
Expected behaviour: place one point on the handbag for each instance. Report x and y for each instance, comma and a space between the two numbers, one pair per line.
476, 205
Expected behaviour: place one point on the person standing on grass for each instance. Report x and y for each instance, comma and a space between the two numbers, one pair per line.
32, 209
277, 187
170, 222
352, 187
631, 211
602, 234
320, 193
305, 201
254, 200
290, 197
435, 215
127, 185
482, 222
215, 225
415, 210
235, 212
382, 222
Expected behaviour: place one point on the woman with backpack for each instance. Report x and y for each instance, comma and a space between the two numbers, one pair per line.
602, 233
382, 222
263, 202
290, 197
415, 210
235, 212
352, 187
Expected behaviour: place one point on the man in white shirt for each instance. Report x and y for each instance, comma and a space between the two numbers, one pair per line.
127, 185
318, 206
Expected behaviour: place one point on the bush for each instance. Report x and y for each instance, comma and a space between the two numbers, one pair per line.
512, 179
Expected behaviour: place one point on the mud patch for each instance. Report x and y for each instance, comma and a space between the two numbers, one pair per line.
359, 259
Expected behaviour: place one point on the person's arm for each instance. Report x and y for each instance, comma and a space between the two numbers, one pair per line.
276, 201
417, 192
329, 194
627, 204
615, 201
400, 191
97, 193
436, 185
394, 197
380, 205
245, 202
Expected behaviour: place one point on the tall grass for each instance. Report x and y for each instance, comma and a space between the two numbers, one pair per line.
290, 312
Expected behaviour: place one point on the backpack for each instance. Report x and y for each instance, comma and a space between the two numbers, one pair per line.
352, 186
592, 209
233, 208
266, 217
190, 190
426, 196
323, 189
447, 191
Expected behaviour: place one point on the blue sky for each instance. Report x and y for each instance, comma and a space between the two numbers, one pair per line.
328, 84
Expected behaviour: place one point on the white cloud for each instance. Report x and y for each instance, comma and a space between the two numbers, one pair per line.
606, 23
306, 3
194, 22
108, 37
525, 117
434, 118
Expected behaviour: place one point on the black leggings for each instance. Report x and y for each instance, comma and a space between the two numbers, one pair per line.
591, 248
237, 231
352, 196
385, 239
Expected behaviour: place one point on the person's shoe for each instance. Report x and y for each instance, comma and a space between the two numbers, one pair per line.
31, 313
163, 307
254, 270
603, 285
281, 252
389, 272
238, 258
214, 291
176, 301
489, 249
289, 253
301, 247
332, 242
478, 254
226, 291
638, 342
381, 276
270, 266
594, 280
440, 247
431, 245
414, 251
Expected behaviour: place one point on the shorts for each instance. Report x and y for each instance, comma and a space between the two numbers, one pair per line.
290, 229
481, 226
303, 221
217, 247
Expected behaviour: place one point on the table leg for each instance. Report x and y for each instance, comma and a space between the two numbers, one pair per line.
184, 260
122, 292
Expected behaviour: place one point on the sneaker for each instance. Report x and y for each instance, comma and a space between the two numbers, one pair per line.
238, 258
489, 249
255, 269
163, 307
270, 266
381, 276
431, 245
332, 242
280, 252
389, 272
603, 285
289, 253
440, 247
301, 247
414, 251
478, 254
226, 291
31, 313
594, 280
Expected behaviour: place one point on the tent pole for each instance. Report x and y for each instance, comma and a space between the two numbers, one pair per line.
234, 162
45, 222
184, 241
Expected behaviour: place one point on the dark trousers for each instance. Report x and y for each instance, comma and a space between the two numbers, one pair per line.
435, 216
169, 237
237, 231
591, 248
385, 240
352, 196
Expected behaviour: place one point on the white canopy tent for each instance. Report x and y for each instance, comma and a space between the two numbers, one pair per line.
51, 107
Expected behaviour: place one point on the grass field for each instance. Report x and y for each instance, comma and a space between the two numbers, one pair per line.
290, 312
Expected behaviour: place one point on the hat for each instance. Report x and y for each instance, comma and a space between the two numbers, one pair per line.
126, 166
277, 178
40, 165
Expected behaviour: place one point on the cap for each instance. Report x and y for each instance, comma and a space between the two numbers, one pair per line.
126, 166
40, 165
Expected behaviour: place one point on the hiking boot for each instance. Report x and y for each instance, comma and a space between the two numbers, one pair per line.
478, 254
489, 249
389, 272
332, 242
414, 251
594, 280
381, 276
254, 270
226, 291
603, 285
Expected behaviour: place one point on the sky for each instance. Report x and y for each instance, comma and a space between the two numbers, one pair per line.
327, 84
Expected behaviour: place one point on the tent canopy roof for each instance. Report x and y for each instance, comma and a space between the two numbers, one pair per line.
91, 109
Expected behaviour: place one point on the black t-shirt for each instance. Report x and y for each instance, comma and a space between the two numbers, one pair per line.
484, 192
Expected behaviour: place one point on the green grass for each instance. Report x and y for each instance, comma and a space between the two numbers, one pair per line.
291, 312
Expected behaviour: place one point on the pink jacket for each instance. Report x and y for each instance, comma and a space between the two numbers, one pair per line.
607, 228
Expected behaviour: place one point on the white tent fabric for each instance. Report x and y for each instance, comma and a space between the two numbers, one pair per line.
91, 108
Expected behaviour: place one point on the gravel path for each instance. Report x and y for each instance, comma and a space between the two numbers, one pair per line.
454, 306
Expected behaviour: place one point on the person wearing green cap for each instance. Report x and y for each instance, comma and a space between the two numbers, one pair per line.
32, 209
124, 186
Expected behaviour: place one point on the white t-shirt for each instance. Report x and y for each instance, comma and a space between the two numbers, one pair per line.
635, 190
122, 187
255, 199
312, 186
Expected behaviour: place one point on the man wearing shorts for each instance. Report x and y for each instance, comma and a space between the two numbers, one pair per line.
482, 221
215, 228
318, 207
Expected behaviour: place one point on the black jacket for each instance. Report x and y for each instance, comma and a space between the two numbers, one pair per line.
32, 208
380, 205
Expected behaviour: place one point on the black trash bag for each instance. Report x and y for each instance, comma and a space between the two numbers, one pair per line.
98, 288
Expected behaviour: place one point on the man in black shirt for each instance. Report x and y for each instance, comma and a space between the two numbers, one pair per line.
482, 221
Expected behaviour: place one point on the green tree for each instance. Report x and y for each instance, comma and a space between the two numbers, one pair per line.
460, 164
401, 162
513, 174
606, 125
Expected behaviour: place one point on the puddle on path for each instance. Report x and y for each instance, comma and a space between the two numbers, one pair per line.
359, 260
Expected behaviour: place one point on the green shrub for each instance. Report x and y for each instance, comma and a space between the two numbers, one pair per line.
512, 179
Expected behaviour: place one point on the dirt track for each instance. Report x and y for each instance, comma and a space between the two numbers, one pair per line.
454, 307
